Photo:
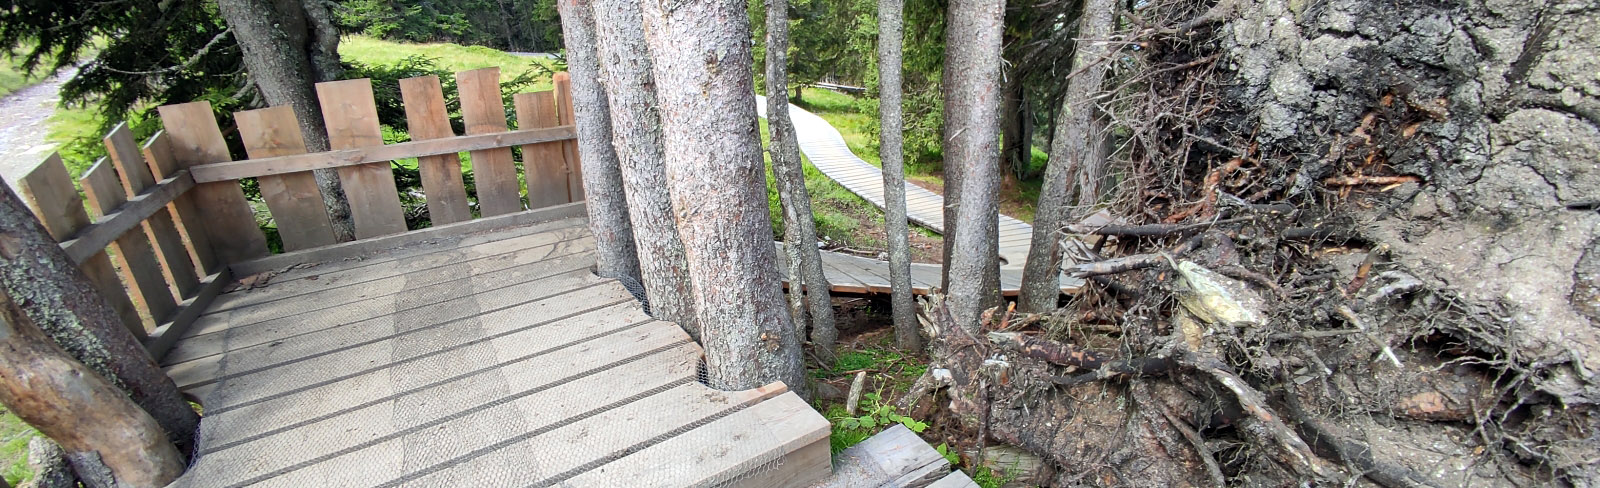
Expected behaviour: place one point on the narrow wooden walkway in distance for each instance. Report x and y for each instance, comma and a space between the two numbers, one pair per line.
855, 274
825, 147
494, 360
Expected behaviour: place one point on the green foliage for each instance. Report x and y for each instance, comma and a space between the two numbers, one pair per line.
987, 478
14, 437
13, 76
949, 454
874, 416
515, 25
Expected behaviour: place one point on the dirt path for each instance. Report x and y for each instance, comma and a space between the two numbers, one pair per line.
22, 125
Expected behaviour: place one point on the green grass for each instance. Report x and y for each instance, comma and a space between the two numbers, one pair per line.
14, 437
454, 57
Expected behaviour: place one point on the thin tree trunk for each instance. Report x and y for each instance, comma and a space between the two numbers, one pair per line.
77, 408
787, 170
636, 136
58, 298
701, 50
287, 49
1072, 153
602, 174
973, 131
891, 153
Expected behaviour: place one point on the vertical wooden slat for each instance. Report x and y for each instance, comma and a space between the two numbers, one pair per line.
158, 152
544, 164
563, 83
294, 199
352, 120
427, 118
227, 217
48, 188
493, 170
135, 257
136, 176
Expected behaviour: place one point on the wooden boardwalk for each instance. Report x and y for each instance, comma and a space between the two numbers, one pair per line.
487, 359
855, 274
826, 149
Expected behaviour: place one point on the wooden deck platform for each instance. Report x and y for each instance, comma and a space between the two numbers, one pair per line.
856, 274
491, 359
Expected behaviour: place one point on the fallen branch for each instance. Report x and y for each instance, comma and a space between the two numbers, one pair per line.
1351, 452
1131, 263
1149, 230
1292, 449
1117, 369
1350, 316
1370, 180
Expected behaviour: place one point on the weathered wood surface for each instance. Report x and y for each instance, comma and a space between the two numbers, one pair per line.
163, 230
339, 158
227, 219
428, 118
476, 362
135, 256
48, 190
484, 112
826, 149
158, 153
894, 458
544, 164
563, 84
94, 238
855, 274
293, 198
351, 115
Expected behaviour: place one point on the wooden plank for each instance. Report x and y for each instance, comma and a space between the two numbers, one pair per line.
956, 479
457, 230
427, 118
229, 221
895, 457
95, 237
135, 257
352, 119
136, 178
388, 152
484, 112
294, 198
544, 164
563, 84
158, 152
166, 335
48, 189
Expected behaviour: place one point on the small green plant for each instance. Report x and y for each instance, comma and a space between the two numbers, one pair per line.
948, 453
875, 415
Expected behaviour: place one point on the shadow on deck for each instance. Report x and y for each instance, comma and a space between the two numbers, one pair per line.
494, 358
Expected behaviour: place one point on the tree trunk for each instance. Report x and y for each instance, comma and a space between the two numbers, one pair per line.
602, 174
800, 228
77, 408
289, 46
891, 153
58, 298
636, 135
972, 118
701, 50
1072, 153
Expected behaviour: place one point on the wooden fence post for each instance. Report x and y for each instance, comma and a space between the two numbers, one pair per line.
228, 219
136, 177
158, 152
544, 164
352, 119
135, 256
484, 112
294, 198
563, 83
427, 118
48, 189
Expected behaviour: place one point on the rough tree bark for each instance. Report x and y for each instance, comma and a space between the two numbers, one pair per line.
636, 135
800, 230
288, 46
37, 274
83, 412
602, 174
891, 153
701, 50
1072, 159
972, 128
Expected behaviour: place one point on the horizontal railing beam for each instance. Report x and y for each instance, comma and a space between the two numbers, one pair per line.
372, 154
93, 239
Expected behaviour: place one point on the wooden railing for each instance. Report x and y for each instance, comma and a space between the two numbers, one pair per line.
171, 216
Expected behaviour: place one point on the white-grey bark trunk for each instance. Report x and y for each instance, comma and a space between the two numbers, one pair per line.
701, 50
58, 299
604, 196
800, 228
625, 71
891, 153
1072, 155
973, 28
286, 51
